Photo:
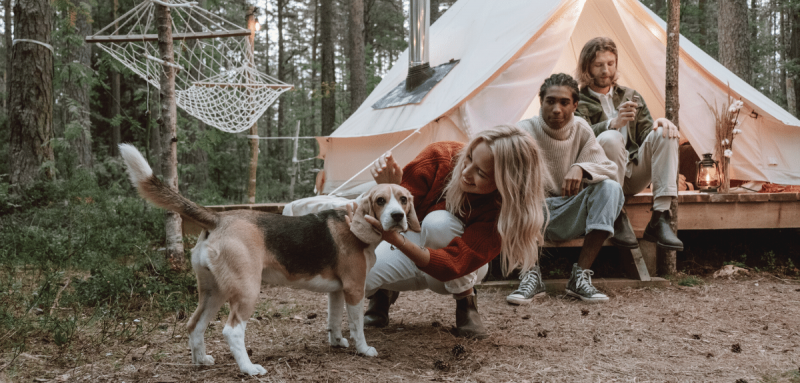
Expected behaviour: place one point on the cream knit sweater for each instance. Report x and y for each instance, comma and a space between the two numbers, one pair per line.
572, 145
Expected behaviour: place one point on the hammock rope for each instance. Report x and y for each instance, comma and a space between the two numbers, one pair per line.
216, 80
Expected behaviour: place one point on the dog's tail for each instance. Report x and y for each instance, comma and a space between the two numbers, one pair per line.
153, 190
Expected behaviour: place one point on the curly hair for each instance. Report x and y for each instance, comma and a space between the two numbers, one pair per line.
520, 174
560, 79
589, 52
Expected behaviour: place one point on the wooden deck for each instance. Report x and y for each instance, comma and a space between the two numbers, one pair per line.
697, 211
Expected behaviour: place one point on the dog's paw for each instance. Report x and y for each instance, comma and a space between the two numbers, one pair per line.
341, 342
253, 369
205, 360
369, 351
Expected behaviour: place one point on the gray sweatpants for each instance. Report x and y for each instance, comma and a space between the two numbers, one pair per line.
593, 208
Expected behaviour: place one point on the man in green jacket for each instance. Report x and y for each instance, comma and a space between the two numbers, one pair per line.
644, 150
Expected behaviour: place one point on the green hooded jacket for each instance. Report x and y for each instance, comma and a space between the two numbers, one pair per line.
591, 110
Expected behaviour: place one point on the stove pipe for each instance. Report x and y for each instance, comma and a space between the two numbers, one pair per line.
419, 68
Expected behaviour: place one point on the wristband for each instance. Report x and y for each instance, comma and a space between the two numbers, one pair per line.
404, 242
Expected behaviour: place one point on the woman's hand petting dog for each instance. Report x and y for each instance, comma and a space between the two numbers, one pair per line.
394, 238
386, 171
350, 208
419, 255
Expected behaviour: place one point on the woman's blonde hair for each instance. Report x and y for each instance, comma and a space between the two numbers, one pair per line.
520, 174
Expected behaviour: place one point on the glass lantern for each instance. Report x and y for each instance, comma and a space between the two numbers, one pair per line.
708, 174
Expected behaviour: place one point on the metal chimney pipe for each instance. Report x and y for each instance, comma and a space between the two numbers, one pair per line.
419, 68
418, 33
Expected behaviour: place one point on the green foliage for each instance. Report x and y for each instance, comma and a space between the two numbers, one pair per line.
739, 263
74, 254
690, 280
769, 259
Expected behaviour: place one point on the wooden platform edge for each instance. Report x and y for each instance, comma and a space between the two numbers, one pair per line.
557, 286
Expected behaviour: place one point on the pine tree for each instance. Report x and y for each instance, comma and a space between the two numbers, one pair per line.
358, 75
734, 38
31, 93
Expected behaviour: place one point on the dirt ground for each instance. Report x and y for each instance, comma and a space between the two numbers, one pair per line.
745, 330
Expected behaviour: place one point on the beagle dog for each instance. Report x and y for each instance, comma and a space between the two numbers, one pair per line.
240, 249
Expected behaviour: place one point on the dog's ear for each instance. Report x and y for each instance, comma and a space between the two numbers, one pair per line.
411, 216
360, 227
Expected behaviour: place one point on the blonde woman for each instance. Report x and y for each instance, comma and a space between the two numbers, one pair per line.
475, 202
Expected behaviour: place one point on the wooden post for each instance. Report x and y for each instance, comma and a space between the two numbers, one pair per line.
667, 258
251, 185
295, 164
168, 124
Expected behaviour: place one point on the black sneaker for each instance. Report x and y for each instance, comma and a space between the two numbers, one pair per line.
531, 287
580, 286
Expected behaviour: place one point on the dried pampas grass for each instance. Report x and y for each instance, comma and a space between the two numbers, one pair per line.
727, 128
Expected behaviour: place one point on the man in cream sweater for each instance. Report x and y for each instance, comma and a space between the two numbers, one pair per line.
574, 158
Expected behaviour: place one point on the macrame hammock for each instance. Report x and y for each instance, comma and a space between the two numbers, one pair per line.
216, 80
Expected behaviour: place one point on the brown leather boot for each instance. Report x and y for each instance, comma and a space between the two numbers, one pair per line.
468, 320
377, 314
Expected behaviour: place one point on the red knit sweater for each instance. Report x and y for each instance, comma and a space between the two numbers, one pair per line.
426, 177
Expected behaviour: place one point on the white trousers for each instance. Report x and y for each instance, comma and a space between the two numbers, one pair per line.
396, 272
393, 270
658, 163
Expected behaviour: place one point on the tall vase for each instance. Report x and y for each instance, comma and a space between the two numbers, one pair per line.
725, 178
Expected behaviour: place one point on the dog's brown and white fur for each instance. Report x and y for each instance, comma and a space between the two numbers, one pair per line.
240, 249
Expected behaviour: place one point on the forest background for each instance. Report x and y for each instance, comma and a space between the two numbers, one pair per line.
314, 45
82, 256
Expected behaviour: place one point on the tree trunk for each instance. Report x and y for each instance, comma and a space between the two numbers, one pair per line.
315, 89
295, 165
753, 43
734, 38
9, 42
703, 28
784, 47
667, 258
793, 81
116, 110
265, 145
328, 75
154, 135
76, 86
658, 8
358, 74
251, 184
167, 122
281, 76
195, 156
435, 10
31, 96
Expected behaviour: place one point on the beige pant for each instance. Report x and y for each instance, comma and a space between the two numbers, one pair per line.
658, 163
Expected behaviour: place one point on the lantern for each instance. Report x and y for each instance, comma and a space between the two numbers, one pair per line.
707, 174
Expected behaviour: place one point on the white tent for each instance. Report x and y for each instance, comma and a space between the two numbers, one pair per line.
507, 48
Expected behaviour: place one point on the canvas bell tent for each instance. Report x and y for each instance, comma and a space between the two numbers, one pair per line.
506, 50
